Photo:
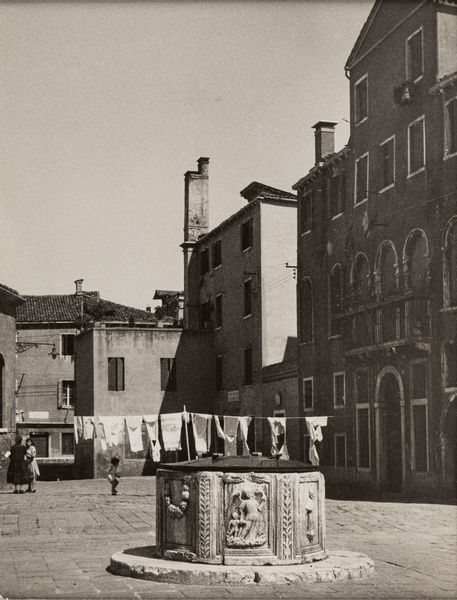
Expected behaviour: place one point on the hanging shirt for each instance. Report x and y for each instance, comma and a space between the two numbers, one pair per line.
278, 427
314, 426
230, 431
88, 428
134, 432
78, 428
201, 427
244, 424
152, 428
171, 424
111, 427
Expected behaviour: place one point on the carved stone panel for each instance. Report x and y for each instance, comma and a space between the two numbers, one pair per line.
311, 516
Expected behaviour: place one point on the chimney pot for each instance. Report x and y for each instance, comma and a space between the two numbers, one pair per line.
79, 286
203, 163
148, 308
324, 139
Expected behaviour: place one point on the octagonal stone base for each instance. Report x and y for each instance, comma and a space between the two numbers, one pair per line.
142, 563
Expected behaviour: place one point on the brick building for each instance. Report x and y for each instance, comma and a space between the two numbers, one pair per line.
377, 260
9, 303
238, 287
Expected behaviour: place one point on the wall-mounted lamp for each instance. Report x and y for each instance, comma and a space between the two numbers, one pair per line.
24, 346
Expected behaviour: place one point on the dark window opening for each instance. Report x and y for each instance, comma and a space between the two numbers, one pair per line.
68, 344
416, 146
451, 126
338, 389
41, 443
246, 235
247, 297
414, 56
388, 163
219, 310
168, 377
363, 431
450, 365
67, 444
418, 380
308, 401
204, 261
307, 212
361, 100
116, 374
420, 437
361, 179
216, 254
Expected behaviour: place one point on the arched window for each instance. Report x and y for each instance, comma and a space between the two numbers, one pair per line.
416, 261
450, 264
336, 297
307, 312
360, 276
387, 277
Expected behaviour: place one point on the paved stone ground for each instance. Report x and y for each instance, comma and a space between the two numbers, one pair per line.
57, 544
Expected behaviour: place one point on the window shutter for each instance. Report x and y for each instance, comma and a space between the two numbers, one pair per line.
111, 374
120, 374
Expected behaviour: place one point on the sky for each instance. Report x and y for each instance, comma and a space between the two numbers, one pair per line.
105, 106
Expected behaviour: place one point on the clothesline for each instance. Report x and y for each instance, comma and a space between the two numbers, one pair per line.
108, 429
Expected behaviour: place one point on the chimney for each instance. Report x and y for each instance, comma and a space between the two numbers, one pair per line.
324, 139
148, 309
79, 286
196, 201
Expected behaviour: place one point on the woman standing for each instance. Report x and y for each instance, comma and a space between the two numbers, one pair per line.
31, 465
16, 469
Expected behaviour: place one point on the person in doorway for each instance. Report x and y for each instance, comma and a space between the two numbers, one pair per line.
114, 475
31, 465
16, 468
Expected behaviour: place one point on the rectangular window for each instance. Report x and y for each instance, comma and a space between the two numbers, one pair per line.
387, 163
450, 365
247, 297
361, 387
307, 212
67, 346
205, 308
216, 254
340, 450
337, 194
67, 393
416, 146
363, 437
419, 380
361, 99
116, 374
219, 310
248, 366
67, 446
204, 261
419, 435
450, 127
219, 373
361, 178
339, 393
308, 393
246, 235
414, 56
168, 378
41, 443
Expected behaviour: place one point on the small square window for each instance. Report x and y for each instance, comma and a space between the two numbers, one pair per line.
361, 99
116, 374
361, 177
387, 163
414, 56
308, 393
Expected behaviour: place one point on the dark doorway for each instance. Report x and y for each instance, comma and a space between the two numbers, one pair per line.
450, 450
390, 397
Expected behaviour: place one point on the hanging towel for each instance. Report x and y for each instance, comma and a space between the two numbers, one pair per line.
134, 432
278, 427
100, 434
244, 424
230, 432
152, 428
314, 426
201, 427
171, 430
79, 428
88, 428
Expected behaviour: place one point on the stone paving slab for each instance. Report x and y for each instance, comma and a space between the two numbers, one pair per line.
68, 531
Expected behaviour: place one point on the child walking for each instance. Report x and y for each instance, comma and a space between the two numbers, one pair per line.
114, 475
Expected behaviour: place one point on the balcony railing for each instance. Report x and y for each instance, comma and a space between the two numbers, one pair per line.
391, 321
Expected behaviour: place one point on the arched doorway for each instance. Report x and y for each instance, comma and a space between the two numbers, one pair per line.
389, 430
448, 431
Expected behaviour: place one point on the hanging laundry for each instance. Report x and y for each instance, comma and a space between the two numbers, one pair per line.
79, 428
314, 426
201, 427
88, 428
230, 431
278, 427
244, 424
134, 424
156, 448
171, 424
152, 428
99, 433
284, 452
112, 427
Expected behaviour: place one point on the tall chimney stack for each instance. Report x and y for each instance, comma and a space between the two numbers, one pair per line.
79, 286
196, 220
324, 139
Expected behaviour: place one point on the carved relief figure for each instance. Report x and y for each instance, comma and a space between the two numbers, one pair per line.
246, 527
310, 522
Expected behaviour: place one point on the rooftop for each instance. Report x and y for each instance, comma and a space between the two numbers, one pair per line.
259, 190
